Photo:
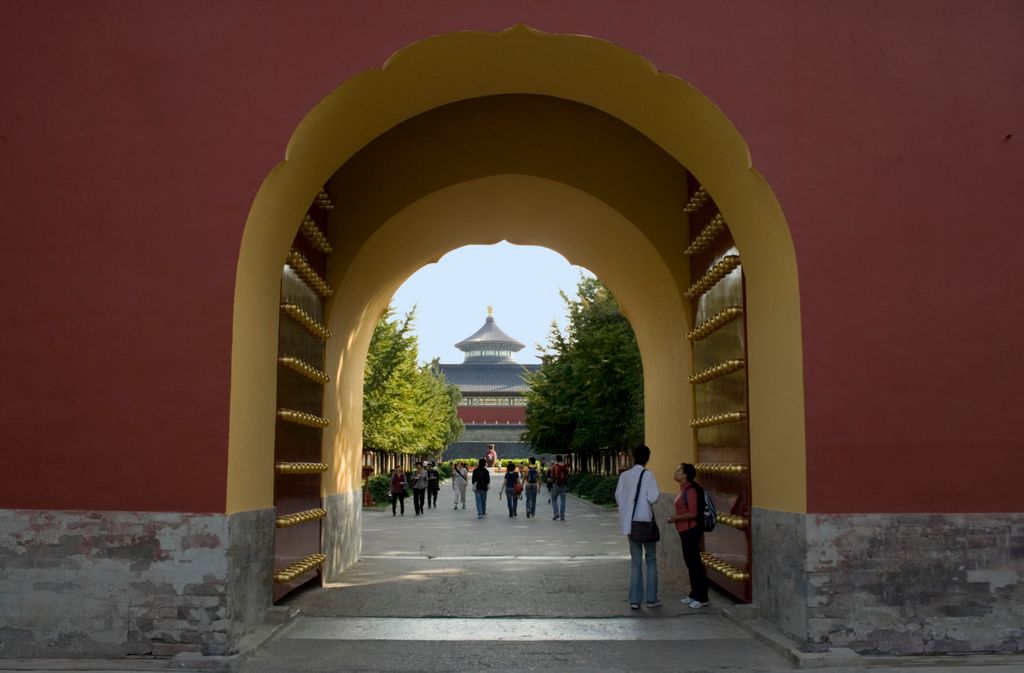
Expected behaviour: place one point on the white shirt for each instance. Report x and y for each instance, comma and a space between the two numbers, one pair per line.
626, 491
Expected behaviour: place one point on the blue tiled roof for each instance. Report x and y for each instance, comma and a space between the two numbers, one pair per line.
495, 379
489, 334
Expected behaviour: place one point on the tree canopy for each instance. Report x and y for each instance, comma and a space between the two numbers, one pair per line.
406, 408
587, 395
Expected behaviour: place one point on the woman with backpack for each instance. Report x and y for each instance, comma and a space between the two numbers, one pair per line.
688, 526
531, 486
513, 487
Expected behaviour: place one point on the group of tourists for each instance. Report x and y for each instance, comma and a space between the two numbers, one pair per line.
523, 482
425, 483
635, 495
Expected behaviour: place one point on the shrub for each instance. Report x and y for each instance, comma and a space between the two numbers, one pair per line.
574, 481
448, 467
587, 484
603, 492
379, 485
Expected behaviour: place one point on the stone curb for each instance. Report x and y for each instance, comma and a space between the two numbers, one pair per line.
1016, 661
276, 619
746, 617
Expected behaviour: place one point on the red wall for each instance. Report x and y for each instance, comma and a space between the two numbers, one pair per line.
133, 137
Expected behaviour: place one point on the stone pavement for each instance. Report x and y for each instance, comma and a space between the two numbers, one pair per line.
448, 592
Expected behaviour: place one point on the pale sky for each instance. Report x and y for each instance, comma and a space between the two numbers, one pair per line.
521, 283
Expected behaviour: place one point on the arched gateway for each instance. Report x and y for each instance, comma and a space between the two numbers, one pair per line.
565, 142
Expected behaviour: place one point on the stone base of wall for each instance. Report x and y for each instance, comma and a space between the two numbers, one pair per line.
670, 551
474, 451
892, 583
342, 540
114, 584
250, 555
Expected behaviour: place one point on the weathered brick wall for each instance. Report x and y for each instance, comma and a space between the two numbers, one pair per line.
893, 583
670, 551
111, 584
916, 583
779, 550
250, 567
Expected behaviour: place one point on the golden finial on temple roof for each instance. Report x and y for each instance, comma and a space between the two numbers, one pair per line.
490, 310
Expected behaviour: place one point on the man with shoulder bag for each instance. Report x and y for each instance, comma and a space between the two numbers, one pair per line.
635, 494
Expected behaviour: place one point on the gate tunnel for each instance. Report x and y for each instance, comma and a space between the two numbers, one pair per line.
565, 142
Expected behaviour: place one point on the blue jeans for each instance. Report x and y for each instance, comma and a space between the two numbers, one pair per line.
637, 552
481, 502
531, 499
511, 500
558, 493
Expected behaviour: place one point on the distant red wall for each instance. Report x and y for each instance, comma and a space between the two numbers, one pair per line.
133, 137
492, 414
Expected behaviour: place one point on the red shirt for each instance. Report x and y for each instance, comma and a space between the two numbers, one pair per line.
686, 503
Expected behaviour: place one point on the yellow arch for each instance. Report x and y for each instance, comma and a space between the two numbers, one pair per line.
463, 66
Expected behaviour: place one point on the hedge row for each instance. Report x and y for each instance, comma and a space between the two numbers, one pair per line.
594, 487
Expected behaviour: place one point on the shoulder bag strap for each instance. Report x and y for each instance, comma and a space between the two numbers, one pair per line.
636, 498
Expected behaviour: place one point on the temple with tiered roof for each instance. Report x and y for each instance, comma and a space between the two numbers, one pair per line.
493, 385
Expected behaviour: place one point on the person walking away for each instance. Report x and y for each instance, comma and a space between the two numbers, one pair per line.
687, 505
635, 494
532, 480
419, 487
511, 482
559, 487
460, 476
481, 480
433, 484
397, 489
545, 475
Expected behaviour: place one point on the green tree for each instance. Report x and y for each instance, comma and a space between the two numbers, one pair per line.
587, 396
406, 407
438, 402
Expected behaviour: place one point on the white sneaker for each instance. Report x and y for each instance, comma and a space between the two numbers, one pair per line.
697, 604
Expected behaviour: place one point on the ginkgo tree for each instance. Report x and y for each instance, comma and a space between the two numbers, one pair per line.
407, 408
587, 396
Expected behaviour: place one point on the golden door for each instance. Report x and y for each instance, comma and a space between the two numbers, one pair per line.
298, 463
719, 383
